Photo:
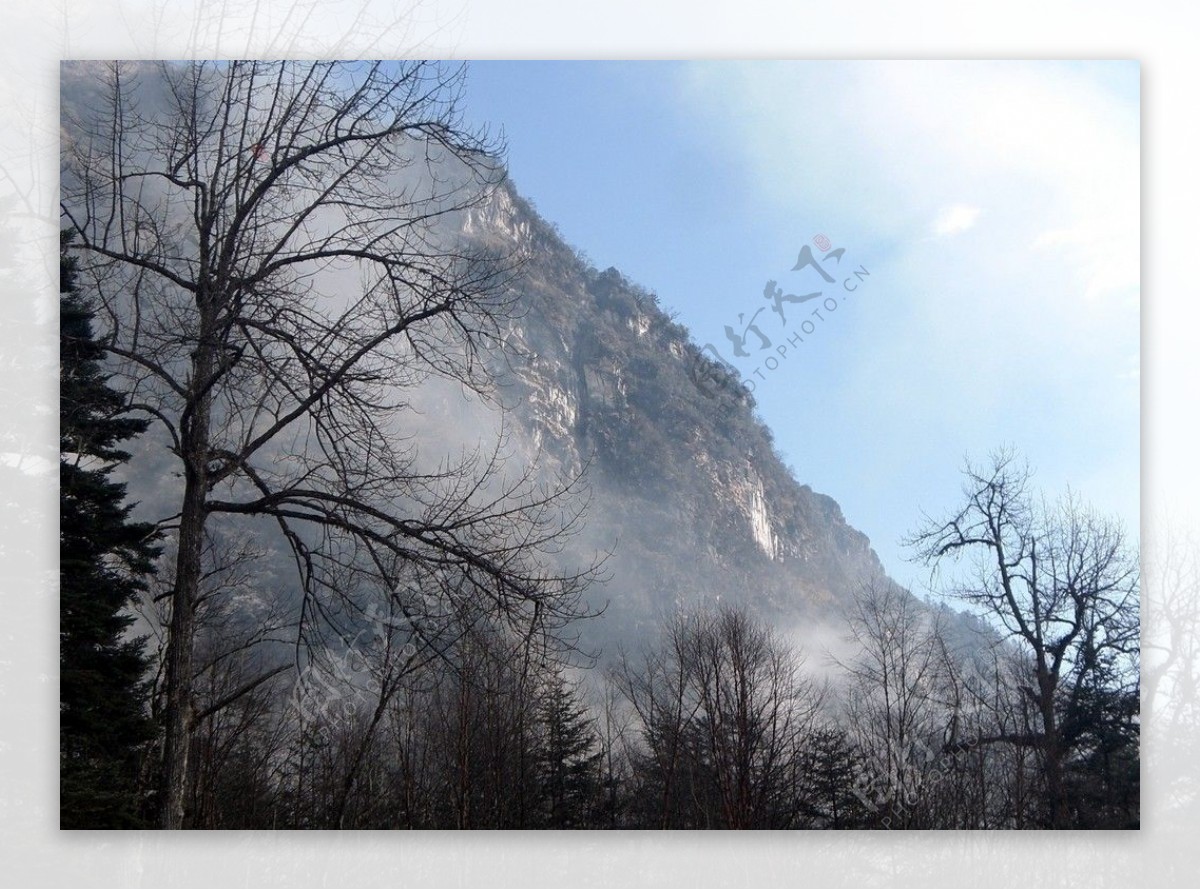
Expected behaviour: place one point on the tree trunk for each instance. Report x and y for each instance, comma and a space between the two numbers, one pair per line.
195, 442
1053, 753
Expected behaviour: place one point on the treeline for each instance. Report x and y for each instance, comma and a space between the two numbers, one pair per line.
721, 725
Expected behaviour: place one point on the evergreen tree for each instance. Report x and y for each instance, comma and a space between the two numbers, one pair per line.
832, 771
567, 758
1103, 779
104, 725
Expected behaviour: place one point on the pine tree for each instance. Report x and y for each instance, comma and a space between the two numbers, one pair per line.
568, 757
832, 773
104, 726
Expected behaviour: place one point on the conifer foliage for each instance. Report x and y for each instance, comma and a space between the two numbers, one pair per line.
104, 725
568, 757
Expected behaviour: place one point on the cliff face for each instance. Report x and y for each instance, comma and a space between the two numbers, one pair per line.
688, 490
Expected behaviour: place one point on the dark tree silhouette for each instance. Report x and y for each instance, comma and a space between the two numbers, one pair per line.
567, 755
104, 722
1063, 582
724, 713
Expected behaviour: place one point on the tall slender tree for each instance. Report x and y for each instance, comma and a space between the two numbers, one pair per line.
567, 757
104, 725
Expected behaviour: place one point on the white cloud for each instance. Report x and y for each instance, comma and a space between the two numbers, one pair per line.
881, 146
955, 219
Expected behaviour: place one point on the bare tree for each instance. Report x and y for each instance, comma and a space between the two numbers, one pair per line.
657, 688
757, 708
724, 712
1063, 582
278, 250
895, 708
615, 742
984, 784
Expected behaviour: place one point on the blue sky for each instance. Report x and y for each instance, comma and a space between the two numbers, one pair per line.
995, 205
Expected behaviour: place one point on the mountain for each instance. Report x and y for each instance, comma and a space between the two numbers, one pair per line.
688, 494
689, 491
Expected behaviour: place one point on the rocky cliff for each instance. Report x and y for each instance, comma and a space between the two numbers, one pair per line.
689, 492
